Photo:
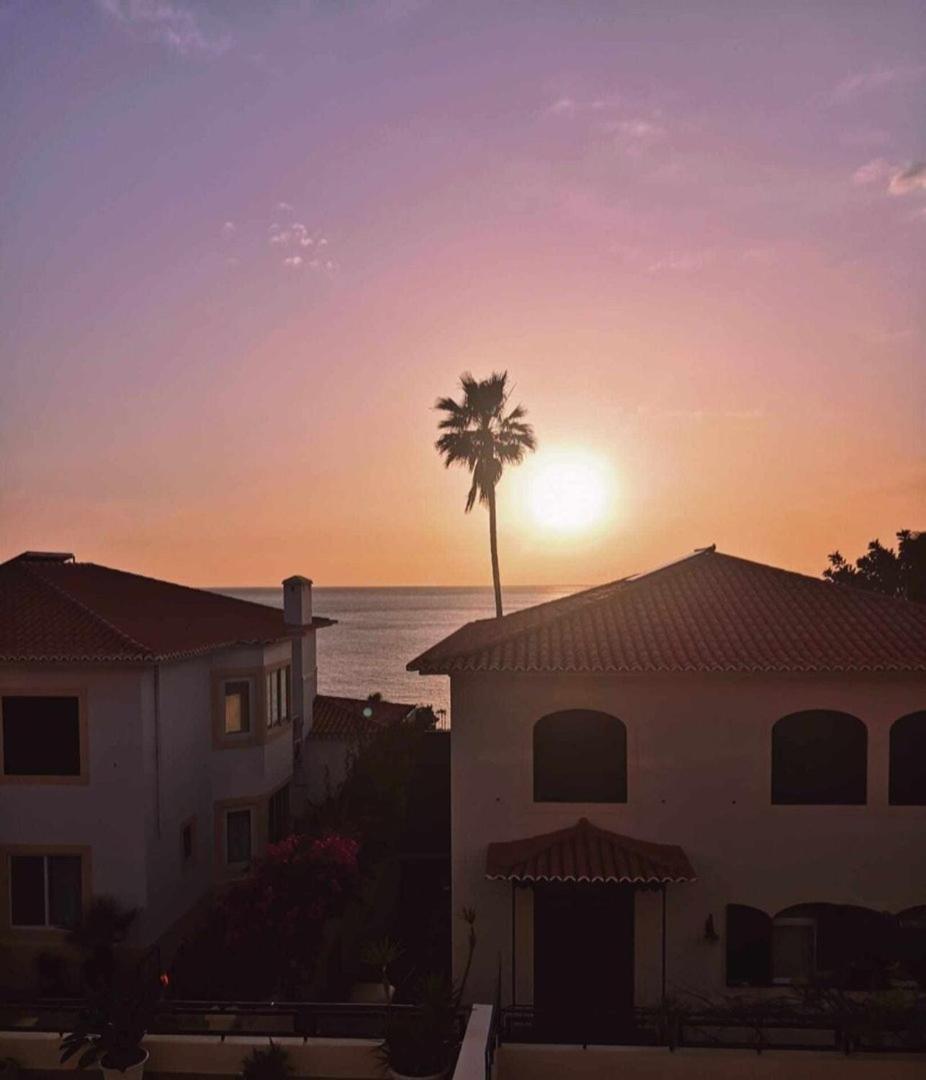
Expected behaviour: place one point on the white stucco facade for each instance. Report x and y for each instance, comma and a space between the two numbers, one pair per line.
698, 775
156, 760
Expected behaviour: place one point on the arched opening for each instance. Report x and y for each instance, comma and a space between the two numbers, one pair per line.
907, 785
819, 758
580, 756
748, 936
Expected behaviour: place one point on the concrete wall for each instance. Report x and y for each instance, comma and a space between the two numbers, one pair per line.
656, 1063
699, 767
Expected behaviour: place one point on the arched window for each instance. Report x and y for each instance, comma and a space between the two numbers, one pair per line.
908, 761
749, 946
580, 756
819, 758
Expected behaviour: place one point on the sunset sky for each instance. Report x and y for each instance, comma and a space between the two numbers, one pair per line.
246, 246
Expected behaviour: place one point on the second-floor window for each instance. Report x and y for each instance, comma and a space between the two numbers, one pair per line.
45, 890
237, 707
277, 696
41, 735
580, 756
908, 761
819, 758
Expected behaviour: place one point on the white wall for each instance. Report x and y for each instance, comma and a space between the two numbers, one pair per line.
108, 813
699, 767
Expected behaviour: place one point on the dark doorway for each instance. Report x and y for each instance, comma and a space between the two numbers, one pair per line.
583, 961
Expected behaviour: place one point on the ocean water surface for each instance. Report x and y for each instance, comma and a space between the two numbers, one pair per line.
380, 629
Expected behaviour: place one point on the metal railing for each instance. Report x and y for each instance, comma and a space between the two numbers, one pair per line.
305, 1019
757, 1031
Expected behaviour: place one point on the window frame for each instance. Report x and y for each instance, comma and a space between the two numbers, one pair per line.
278, 695
793, 920
540, 783
900, 786
243, 690
775, 788
250, 810
287, 819
14, 932
80, 778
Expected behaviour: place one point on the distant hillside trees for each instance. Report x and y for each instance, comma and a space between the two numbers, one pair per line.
895, 573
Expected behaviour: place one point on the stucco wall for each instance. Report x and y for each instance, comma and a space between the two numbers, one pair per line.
699, 764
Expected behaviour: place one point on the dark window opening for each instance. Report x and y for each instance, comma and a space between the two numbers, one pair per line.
908, 761
580, 756
45, 890
41, 736
278, 815
819, 758
749, 946
278, 696
238, 836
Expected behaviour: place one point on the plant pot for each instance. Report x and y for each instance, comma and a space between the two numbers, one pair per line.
132, 1072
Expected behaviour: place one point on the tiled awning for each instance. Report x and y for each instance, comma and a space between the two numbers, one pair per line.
584, 852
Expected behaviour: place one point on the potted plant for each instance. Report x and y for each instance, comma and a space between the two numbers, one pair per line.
9, 1068
110, 1030
378, 957
271, 1063
421, 1044
101, 929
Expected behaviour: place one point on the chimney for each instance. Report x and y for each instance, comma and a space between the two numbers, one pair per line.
297, 601
297, 614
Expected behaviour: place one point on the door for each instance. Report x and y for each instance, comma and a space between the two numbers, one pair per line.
583, 960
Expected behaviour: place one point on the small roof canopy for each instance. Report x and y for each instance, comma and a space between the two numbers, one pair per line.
584, 852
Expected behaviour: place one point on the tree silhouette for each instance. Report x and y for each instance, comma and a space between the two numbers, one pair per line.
895, 573
479, 434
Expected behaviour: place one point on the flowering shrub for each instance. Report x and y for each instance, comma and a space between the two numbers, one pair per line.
264, 933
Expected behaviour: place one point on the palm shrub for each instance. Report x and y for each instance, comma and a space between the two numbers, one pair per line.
270, 1063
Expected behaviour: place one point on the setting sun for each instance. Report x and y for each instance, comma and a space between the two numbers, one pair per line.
568, 491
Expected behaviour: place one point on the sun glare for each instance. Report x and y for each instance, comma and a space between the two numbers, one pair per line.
568, 492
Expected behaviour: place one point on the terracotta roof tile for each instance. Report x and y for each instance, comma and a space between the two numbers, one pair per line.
585, 852
352, 718
56, 610
708, 612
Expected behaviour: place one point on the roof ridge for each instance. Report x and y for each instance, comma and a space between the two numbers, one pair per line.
146, 650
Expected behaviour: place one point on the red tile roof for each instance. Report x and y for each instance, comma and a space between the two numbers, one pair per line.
708, 612
53, 609
583, 852
351, 718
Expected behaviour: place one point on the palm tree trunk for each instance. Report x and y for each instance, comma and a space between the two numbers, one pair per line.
493, 546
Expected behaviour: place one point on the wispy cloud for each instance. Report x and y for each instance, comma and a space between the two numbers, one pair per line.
166, 22
229, 228
295, 235
293, 261
284, 207
896, 179
866, 82
912, 178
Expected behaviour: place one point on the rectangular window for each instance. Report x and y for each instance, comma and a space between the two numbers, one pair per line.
45, 890
237, 708
41, 735
277, 696
793, 950
237, 837
278, 815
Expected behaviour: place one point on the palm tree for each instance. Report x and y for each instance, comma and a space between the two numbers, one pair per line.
478, 433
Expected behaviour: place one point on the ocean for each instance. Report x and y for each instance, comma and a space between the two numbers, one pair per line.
380, 629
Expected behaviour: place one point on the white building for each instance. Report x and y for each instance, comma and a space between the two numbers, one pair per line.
147, 736
705, 777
